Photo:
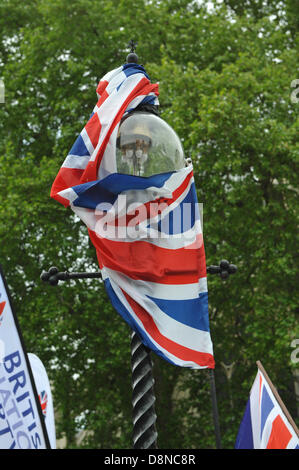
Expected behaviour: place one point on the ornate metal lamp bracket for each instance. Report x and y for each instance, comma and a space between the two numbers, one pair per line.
53, 276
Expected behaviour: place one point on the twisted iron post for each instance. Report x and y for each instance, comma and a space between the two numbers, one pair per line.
143, 396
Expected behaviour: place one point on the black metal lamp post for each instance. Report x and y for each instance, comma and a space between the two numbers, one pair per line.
146, 145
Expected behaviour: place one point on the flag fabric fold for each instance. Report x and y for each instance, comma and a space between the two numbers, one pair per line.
146, 230
264, 424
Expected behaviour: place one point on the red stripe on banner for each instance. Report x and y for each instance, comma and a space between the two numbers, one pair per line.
181, 352
67, 177
93, 129
182, 187
280, 435
101, 87
104, 96
146, 261
90, 172
2, 305
62, 200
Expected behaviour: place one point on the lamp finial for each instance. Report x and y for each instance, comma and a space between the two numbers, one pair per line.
132, 57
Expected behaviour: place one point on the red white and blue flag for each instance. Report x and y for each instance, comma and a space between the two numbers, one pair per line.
265, 425
43, 398
146, 230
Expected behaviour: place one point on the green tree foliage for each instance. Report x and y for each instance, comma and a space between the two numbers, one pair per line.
225, 78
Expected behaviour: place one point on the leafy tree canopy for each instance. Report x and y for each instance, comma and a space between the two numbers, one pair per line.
225, 72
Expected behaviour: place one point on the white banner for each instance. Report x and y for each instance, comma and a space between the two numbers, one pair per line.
22, 424
45, 396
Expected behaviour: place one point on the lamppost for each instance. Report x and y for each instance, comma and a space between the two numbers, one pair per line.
146, 145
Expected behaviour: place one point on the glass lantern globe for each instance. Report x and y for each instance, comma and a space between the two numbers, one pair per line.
147, 145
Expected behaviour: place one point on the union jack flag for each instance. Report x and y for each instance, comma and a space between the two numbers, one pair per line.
2, 305
155, 275
264, 424
43, 399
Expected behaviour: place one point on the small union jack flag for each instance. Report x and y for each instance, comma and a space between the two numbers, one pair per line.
2, 305
43, 399
265, 425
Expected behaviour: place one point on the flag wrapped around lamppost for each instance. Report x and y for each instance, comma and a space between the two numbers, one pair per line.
146, 229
